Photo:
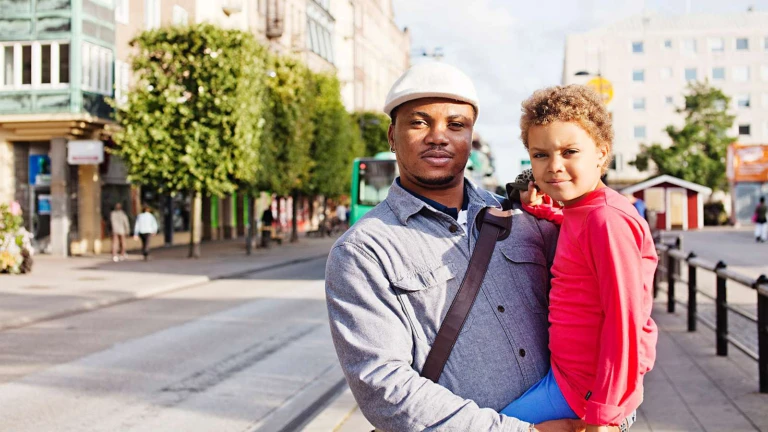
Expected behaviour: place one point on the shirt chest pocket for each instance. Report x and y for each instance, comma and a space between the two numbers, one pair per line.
426, 296
527, 277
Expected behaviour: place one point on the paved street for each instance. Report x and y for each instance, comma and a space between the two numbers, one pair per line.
246, 353
236, 343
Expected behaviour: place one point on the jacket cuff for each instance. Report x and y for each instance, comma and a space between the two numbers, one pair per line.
602, 414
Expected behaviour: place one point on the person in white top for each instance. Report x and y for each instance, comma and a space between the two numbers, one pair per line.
146, 226
121, 227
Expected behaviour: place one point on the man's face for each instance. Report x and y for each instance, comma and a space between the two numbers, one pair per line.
432, 138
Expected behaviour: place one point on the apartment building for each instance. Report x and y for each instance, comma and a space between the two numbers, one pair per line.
650, 60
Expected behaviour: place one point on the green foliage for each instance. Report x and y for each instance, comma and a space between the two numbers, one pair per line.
288, 127
698, 150
336, 140
374, 128
193, 122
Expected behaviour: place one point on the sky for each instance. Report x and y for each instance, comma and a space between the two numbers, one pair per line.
511, 47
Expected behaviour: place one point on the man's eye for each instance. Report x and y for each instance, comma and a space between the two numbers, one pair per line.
418, 122
456, 125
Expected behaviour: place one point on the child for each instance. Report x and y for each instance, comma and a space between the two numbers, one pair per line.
602, 337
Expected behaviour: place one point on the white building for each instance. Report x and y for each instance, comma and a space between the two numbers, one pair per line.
650, 59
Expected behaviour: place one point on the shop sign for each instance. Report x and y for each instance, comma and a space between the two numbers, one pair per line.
747, 163
85, 152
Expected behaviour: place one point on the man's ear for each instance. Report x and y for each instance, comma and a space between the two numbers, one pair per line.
391, 136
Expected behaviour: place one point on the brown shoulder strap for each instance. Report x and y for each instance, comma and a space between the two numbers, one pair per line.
495, 225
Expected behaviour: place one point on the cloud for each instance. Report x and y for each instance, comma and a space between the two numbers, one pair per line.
511, 48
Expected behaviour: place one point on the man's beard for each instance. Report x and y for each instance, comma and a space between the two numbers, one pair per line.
439, 181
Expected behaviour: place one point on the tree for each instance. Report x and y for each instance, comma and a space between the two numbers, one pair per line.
373, 127
698, 150
336, 141
288, 130
193, 122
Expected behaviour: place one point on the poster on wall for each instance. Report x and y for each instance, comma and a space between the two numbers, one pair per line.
747, 163
43, 205
39, 170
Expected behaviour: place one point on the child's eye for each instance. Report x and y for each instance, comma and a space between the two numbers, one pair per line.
571, 151
539, 155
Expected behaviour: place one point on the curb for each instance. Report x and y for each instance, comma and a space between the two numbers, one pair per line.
191, 282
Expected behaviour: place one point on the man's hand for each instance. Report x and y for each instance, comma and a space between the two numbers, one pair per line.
595, 428
532, 197
561, 426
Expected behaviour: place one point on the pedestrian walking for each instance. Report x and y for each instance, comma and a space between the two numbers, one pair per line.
602, 337
761, 225
341, 216
267, 219
118, 220
146, 226
392, 277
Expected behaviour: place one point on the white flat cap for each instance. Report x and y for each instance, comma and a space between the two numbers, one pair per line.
432, 79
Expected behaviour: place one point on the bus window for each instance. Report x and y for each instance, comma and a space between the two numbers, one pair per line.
375, 179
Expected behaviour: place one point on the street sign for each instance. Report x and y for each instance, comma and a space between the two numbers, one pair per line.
524, 164
85, 152
603, 87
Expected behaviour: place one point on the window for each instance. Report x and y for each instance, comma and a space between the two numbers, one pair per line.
97, 69
638, 75
638, 104
122, 81
741, 73
35, 65
666, 73
716, 44
690, 74
122, 11
720, 105
668, 43
180, 16
637, 47
744, 129
669, 100
151, 14
718, 73
764, 72
655, 199
689, 46
639, 132
742, 44
742, 101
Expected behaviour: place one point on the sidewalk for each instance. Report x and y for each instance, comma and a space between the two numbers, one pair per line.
59, 287
689, 389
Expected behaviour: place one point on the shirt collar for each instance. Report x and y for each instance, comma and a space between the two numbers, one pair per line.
405, 203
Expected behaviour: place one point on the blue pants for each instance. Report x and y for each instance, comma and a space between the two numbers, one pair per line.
542, 402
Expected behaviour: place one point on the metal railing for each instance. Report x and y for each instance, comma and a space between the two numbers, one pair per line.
671, 257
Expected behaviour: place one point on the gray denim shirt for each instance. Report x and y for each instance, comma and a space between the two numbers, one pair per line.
390, 280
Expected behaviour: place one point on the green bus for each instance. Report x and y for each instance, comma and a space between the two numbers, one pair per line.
371, 179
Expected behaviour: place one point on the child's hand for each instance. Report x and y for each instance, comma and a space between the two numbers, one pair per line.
532, 197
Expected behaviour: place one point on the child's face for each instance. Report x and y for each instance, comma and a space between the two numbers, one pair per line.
566, 161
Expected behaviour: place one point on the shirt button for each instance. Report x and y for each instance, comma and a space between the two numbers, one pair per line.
522, 352
501, 309
453, 228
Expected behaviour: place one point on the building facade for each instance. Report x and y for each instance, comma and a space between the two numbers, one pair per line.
649, 60
61, 59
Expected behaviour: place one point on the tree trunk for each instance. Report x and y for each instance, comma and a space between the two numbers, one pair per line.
294, 222
311, 209
196, 222
324, 230
249, 227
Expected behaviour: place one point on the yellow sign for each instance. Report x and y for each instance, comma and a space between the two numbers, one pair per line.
602, 86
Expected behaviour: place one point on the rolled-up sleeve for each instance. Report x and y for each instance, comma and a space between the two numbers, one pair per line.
373, 340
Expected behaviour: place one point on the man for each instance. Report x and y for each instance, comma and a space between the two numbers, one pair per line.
266, 227
146, 227
120, 228
638, 203
391, 278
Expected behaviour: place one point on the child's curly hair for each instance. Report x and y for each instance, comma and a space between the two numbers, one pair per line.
571, 103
